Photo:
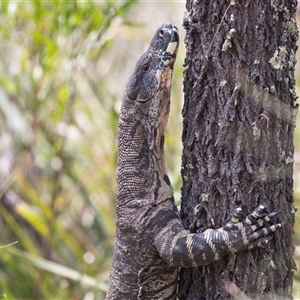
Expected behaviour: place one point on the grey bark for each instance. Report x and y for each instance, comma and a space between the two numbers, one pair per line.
239, 120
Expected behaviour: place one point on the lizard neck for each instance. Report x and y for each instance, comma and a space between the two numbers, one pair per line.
141, 166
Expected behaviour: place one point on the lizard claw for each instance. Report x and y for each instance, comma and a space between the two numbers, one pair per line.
255, 231
258, 213
237, 215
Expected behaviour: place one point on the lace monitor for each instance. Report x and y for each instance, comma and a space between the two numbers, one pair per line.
151, 242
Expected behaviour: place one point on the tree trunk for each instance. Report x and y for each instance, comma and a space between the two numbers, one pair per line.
239, 120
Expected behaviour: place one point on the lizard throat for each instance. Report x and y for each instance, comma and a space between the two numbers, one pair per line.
158, 140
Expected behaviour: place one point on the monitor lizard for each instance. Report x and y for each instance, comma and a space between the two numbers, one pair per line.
151, 242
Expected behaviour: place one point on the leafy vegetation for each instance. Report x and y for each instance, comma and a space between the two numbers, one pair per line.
58, 123
58, 148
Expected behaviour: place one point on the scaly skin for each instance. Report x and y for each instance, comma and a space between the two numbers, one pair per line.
151, 242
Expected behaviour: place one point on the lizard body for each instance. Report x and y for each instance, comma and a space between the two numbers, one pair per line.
151, 242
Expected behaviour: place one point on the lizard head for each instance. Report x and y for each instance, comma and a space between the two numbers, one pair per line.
146, 78
147, 94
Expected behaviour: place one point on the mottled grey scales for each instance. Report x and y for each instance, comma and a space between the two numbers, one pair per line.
151, 242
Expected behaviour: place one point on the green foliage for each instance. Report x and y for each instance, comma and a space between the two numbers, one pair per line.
57, 148
4, 297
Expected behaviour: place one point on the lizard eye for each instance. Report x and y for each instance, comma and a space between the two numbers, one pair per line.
146, 67
161, 33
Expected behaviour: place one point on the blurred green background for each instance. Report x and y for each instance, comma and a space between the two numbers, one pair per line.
63, 69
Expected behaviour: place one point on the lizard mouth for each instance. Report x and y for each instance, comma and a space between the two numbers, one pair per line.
173, 44
175, 36
165, 44
168, 55
172, 47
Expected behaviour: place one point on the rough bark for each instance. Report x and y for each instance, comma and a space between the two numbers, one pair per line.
239, 119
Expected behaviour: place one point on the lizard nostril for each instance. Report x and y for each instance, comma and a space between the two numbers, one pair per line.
161, 33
